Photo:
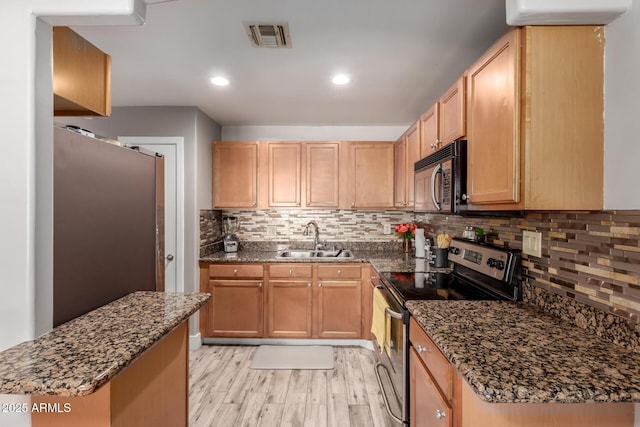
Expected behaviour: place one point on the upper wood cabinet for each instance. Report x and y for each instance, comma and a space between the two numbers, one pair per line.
235, 174
285, 174
323, 174
371, 178
535, 121
406, 153
81, 76
445, 121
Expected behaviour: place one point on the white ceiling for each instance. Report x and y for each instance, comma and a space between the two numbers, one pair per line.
401, 55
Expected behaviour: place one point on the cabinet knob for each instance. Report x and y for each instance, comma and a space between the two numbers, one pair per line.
440, 414
422, 349
433, 146
339, 271
353, 204
235, 271
290, 272
260, 284
308, 284
319, 285
466, 197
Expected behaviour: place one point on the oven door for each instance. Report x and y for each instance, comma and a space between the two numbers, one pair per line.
391, 369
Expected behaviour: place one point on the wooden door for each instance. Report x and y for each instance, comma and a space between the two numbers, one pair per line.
323, 174
429, 131
285, 179
235, 174
492, 128
289, 309
400, 173
412, 138
339, 309
427, 406
235, 308
371, 174
452, 118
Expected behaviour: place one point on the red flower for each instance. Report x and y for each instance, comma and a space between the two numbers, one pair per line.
406, 231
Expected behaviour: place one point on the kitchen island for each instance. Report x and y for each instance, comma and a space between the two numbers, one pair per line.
513, 363
123, 364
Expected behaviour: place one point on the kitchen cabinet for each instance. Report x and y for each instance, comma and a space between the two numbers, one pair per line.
439, 396
445, 121
406, 153
235, 174
535, 121
371, 178
339, 301
285, 174
81, 76
323, 174
236, 306
290, 295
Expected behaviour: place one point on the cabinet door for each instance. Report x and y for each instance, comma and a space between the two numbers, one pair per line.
428, 407
493, 131
284, 174
371, 174
400, 173
235, 309
452, 113
412, 138
235, 174
323, 174
339, 309
429, 132
289, 309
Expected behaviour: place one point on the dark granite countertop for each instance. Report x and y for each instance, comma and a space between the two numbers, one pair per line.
511, 352
79, 356
382, 260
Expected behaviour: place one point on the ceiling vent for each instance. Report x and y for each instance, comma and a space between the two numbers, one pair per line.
264, 34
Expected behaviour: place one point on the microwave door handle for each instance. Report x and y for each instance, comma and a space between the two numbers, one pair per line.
436, 171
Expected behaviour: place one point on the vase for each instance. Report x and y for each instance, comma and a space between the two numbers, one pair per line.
406, 246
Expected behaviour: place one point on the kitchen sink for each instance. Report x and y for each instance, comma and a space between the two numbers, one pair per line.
303, 253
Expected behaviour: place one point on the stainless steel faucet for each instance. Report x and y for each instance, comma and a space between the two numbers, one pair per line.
316, 236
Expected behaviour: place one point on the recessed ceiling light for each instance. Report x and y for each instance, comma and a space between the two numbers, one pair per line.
220, 81
341, 79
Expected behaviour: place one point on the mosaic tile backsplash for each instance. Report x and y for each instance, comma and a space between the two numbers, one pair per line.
588, 259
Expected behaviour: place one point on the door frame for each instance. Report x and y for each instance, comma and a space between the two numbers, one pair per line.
178, 141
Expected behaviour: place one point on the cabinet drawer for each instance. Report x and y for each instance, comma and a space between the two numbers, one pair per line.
236, 270
438, 365
290, 270
338, 271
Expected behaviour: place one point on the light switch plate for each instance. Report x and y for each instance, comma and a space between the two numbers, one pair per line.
387, 228
532, 243
271, 230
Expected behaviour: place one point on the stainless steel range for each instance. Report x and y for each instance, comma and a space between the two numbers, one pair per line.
478, 272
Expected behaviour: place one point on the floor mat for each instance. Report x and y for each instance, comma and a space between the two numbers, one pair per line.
292, 357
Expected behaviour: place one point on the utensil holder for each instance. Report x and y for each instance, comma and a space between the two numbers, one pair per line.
439, 257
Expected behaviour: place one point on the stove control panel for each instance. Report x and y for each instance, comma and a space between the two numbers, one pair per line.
488, 260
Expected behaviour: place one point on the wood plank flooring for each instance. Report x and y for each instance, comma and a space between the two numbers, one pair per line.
225, 392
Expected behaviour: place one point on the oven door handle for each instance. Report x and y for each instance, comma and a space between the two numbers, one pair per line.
390, 312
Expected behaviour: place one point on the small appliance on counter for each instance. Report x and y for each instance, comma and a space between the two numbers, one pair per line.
230, 225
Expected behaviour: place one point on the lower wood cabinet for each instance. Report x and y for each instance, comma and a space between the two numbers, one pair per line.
428, 406
284, 300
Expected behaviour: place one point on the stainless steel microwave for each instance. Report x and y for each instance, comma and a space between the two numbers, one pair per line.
441, 180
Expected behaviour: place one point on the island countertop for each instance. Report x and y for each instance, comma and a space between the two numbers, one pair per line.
510, 352
79, 356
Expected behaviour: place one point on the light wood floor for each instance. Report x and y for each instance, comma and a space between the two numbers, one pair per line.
225, 392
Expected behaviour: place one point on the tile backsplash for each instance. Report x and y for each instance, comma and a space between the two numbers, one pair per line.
590, 258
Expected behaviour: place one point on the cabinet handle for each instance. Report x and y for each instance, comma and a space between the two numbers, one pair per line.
440, 414
308, 284
339, 272
290, 272
254, 204
433, 146
235, 271
353, 204
319, 285
466, 197
422, 349
260, 284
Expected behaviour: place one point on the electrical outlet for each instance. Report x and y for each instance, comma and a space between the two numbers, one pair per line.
387, 228
532, 243
271, 230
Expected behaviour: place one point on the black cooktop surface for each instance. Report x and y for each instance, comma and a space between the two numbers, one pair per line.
434, 286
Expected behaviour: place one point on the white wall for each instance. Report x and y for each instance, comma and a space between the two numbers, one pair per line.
312, 133
622, 111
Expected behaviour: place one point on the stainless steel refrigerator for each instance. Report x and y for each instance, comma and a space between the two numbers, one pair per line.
108, 223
